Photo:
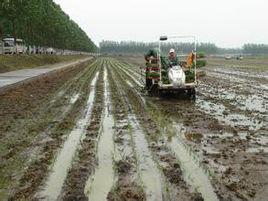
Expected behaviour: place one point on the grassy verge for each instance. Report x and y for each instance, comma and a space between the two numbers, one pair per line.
17, 62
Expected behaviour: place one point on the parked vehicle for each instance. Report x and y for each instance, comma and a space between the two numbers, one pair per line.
12, 46
31, 49
1, 47
239, 57
50, 50
228, 57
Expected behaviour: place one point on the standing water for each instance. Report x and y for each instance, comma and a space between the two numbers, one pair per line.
194, 175
150, 175
64, 158
99, 185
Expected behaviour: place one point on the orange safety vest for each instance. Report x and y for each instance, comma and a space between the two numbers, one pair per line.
190, 59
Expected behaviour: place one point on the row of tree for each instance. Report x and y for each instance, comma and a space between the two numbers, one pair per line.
42, 22
132, 47
255, 49
141, 47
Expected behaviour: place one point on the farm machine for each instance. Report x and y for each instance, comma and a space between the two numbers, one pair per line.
163, 76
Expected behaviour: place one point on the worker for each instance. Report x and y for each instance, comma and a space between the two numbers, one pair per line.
190, 59
172, 58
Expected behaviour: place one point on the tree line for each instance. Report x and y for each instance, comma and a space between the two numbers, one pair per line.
132, 47
255, 49
42, 23
141, 47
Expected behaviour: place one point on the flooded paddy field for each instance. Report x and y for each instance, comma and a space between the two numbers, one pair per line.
92, 133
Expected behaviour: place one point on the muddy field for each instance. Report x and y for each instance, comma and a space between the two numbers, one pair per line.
92, 133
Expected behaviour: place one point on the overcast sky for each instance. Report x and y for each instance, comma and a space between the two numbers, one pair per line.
227, 23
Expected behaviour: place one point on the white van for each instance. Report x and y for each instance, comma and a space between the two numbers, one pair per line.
11, 48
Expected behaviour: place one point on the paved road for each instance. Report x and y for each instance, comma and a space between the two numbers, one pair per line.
14, 77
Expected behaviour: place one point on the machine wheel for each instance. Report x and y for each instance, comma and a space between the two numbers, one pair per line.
191, 94
154, 91
149, 84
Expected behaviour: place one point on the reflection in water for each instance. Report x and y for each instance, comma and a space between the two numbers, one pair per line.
99, 185
64, 158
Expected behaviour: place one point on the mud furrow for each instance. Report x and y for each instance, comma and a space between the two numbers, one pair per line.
225, 150
135, 76
134, 68
149, 173
68, 88
96, 188
85, 161
148, 170
207, 196
34, 175
165, 160
128, 185
54, 112
63, 160
26, 109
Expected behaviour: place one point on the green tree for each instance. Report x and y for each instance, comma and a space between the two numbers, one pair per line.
42, 22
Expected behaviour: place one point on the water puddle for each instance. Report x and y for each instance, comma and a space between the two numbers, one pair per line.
247, 82
261, 139
242, 73
130, 84
246, 102
194, 175
99, 185
150, 175
218, 111
74, 98
210, 150
257, 150
63, 161
242, 135
253, 103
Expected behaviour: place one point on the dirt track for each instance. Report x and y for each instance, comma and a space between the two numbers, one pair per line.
92, 133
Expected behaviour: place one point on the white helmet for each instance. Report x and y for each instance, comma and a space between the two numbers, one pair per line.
171, 50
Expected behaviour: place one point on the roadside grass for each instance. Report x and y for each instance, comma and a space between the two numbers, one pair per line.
18, 62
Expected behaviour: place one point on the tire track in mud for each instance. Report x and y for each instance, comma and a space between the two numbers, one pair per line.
127, 186
148, 171
134, 68
85, 161
64, 158
22, 107
212, 158
135, 76
244, 75
36, 171
198, 176
218, 145
56, 109
232, 105
96, 189
242, 108
193, 177
166, 161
